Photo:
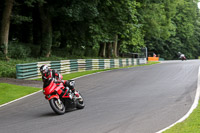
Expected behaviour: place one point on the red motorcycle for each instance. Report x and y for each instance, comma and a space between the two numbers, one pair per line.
183, 58
62, 98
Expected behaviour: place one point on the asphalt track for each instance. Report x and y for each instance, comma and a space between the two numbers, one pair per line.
135, 100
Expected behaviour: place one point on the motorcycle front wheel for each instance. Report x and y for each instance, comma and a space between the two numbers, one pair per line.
80, 102
57, 106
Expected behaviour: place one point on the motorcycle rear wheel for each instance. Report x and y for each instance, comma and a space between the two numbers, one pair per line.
57, 107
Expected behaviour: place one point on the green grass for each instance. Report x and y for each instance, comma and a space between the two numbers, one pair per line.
190, 125
78, 74
10, 92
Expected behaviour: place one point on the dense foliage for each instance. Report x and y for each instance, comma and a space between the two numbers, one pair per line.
98, 28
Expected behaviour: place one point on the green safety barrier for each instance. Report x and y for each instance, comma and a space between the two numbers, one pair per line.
161, 59
31, 70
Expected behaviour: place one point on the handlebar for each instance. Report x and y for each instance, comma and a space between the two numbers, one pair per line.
57, 81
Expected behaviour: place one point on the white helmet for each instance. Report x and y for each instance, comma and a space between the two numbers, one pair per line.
44, 70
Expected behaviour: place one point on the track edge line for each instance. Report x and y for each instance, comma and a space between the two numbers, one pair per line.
194, 105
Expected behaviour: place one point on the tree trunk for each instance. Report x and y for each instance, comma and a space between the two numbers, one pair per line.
63, 38
115, 46
36, 26
102, 50
5, 27
46, 41
109, 50
118, 47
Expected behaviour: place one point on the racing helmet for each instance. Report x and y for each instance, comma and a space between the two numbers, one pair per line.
44, 70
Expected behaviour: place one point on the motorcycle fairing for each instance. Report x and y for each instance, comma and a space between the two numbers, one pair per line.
52, 87
52, 96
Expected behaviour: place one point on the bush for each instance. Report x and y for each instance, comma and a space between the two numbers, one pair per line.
60, 52
7, 69
19, 51
35, 50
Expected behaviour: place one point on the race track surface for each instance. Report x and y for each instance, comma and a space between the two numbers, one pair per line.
135, 100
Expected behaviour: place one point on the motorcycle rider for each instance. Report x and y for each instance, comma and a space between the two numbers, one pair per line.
48, 74
181, 55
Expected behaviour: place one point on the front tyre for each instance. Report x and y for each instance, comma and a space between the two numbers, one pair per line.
80, 102
57, 106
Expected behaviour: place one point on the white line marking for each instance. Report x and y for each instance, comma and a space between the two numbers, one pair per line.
191, 109
19, 98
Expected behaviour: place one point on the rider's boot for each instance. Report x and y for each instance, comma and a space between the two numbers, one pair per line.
75, 92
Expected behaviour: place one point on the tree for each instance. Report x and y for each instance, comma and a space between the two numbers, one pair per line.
116, 22
186, 21
5, 26
105, 27
157, 27
46, 32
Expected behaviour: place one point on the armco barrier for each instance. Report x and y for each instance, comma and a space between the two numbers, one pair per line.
31, 70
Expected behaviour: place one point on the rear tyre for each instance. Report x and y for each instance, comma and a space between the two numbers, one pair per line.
80, 102
58, 107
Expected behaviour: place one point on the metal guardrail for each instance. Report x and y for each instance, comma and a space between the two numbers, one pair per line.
31, 70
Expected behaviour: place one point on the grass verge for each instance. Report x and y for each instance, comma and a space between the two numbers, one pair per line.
10, 92
78, 74
190, 125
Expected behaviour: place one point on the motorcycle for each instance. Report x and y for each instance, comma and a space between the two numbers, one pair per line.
62, 98
183, 58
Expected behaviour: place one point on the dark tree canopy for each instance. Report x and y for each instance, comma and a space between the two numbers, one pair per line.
99, 28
